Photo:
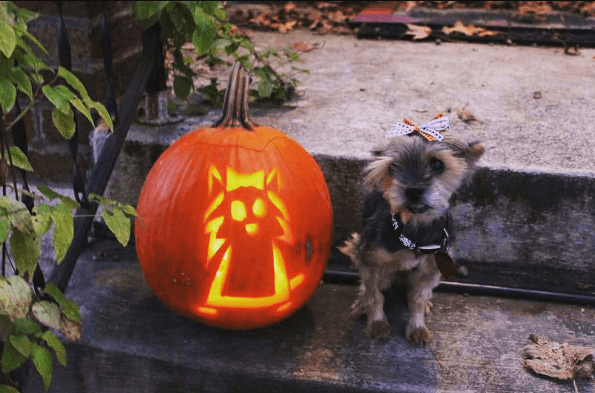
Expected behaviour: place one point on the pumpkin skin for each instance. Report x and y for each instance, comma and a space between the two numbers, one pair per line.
235, 226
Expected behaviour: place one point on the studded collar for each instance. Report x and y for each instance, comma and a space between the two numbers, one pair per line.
442, 245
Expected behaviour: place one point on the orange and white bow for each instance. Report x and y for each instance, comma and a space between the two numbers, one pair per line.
430, 130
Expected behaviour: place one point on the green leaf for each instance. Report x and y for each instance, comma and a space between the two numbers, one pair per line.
21, 343
23, 31
17, 213
56, 98
64, 122
129, 210
42, 220
69, 308
26, 326
26, 251
103, 113
182, 86
54, 343
4, 227
148, 11
19, 159
63, 231
15, 297
220, 14
101, 200
8, 95
118, 223
11, 358
47, 313
51, 195
75, 83
264, 89
18, 76
8, 39
8, 389
42, 359
6, 326
78, 104
204, 36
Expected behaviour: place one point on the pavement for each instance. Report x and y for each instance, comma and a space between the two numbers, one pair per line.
526, 220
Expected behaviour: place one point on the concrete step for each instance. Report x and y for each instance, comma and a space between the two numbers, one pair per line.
132, 343
519, 228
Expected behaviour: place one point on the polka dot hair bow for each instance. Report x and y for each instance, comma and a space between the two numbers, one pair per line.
430, 130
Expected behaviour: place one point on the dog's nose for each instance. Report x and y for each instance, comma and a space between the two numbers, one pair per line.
414, 194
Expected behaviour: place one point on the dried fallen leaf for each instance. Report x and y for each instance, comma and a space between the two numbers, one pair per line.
535, 7
572, 51
305, 47
418, 32
469, 30
588, 9
466, 115
289, 6
409, 5
285, 27
561, 361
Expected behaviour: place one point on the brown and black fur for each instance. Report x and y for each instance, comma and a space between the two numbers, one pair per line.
414, 179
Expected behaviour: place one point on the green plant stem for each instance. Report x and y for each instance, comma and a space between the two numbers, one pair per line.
32, 103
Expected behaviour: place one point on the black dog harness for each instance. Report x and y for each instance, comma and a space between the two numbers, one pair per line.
442, 245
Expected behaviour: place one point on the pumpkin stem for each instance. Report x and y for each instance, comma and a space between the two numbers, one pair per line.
235, 104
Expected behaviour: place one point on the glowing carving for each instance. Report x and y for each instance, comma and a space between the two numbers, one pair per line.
266, 215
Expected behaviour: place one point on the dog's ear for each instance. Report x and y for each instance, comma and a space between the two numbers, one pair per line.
378, 172
381, 149
470, 152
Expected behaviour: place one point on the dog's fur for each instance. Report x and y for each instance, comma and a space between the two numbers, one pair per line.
413, 179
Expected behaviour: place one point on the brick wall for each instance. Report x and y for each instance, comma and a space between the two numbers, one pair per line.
49, 154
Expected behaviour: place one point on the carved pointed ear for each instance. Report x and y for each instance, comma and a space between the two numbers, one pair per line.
215, 182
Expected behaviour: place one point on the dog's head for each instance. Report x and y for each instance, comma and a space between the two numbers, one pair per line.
418, 177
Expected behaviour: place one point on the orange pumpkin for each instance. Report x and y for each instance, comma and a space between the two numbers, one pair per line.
235, 221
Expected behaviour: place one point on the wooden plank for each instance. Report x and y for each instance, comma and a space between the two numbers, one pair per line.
131, 342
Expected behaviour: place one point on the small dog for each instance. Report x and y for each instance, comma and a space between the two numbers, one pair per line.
407, 223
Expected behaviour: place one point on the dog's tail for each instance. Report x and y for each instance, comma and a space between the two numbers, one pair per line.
351, 248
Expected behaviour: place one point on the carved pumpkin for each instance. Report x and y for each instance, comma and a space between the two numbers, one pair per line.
235, 221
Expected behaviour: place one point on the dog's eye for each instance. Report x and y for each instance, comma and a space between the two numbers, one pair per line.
436, 165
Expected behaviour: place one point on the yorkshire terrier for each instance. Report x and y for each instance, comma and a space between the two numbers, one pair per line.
407, 222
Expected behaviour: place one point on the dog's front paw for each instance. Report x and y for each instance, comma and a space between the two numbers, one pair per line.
419, 335
378, 330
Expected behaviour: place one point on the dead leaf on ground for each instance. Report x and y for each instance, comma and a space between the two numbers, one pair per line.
572, 51
305, 47
535, 7
468, 30
418, 32
289, 6
561, 361
466, 115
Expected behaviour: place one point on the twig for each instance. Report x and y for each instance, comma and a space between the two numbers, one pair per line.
436, 357
575, 387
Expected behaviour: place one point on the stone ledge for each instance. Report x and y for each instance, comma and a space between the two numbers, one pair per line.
131, 342
519, 228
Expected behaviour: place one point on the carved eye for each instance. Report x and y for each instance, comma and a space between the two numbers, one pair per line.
437, 166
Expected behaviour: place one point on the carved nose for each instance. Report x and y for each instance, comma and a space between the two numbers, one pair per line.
414, 194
